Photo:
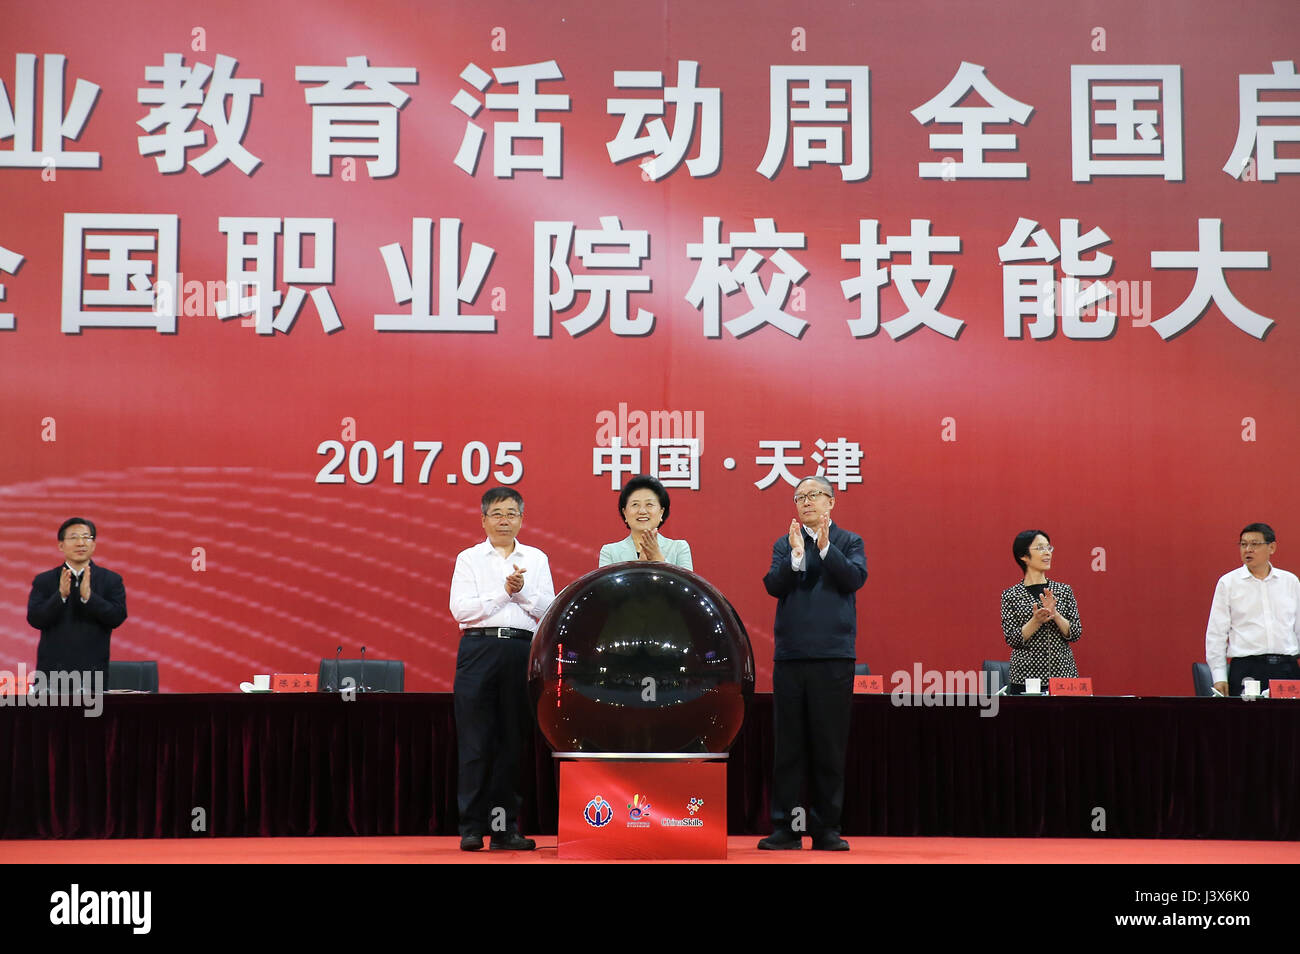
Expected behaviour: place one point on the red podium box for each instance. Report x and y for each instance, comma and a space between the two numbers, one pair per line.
642, 806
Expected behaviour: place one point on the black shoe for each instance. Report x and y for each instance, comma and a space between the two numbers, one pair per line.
782, 840
471, 842
830, 841
512, 842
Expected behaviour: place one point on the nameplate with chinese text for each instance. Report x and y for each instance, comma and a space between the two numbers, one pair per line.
1284, 688
293, 682
869, 684
1070, 687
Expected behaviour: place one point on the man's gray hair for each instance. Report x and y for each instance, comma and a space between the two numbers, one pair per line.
820, 480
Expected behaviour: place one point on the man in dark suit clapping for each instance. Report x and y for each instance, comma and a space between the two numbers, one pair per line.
817, 569
76, 606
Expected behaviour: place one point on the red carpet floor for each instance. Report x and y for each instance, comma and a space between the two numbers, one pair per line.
925, 851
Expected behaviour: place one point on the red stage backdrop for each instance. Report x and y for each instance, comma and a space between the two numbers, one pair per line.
286, 286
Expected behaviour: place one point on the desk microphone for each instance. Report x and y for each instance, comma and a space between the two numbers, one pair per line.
362, 680
337, 653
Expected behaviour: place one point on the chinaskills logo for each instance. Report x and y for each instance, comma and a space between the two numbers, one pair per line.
638, 813
693, 807
598, 812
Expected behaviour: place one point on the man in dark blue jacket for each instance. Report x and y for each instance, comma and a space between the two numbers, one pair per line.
817, 569
76, 606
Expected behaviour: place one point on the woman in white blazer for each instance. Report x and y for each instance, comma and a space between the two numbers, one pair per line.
643, 505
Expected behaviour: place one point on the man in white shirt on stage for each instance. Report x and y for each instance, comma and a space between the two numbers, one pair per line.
499, 591
1253, 619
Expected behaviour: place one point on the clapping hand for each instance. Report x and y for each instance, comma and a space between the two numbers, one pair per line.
1049, 602
647, 545
1045, 610
515, 581
823, 532
796, 539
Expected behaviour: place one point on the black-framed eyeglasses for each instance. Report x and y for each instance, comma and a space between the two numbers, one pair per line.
812, 495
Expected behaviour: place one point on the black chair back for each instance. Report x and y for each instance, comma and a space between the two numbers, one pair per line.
372, 675
1202, 680
138, 675
1000, 670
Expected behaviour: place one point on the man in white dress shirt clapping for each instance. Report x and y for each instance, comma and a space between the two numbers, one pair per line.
499, 591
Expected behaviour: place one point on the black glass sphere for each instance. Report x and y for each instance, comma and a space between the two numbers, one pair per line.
640, 657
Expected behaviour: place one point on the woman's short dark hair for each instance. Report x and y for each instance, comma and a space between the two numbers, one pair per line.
643, 483
1020, 547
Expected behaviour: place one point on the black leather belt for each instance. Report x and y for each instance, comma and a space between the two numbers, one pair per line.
499, 632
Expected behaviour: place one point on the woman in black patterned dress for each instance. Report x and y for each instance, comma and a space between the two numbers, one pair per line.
1039, 616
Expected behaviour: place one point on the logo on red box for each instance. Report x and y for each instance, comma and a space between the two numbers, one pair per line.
598, 812
638, 813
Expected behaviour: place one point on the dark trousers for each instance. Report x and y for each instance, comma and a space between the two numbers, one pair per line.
493, 721
1262, 668
812, 700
